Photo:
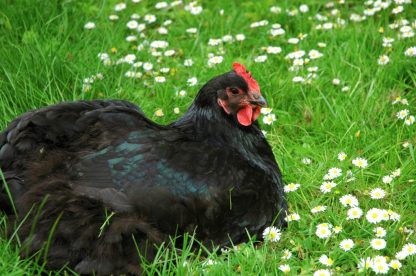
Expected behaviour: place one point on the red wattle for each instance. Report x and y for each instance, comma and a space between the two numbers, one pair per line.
245, 115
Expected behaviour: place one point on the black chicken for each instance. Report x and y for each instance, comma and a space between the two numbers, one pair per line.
88, 177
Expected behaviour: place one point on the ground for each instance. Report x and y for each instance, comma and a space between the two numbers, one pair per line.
340, 81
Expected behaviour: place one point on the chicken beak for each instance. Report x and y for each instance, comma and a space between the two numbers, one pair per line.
257, 100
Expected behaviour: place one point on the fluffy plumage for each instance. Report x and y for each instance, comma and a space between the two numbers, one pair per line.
93, 175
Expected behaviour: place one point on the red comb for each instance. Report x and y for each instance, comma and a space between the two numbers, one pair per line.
241, 71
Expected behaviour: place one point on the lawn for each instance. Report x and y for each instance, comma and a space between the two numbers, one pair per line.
340, 80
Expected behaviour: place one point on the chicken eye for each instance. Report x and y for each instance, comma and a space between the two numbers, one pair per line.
234, 90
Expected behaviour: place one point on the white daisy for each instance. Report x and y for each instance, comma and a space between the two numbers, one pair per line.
325, 260
286, 254
89, 25
269, 119
291, 187
334, 172
318, 209
354, 213
349, 200
292, 217
284, 268
409, 249
387, 179
306, 161
342, 156
314, 54
322, 272
395, 264
365, 263
380, 232
378, 244
259, 59
402, 114
132, 24
346, 244
380, 268
192, 81
272, 234
160, 79
327, 186
188, 62
383, 60
410, 120
360, 162
323, 232
374, 215
377, 193
410, 52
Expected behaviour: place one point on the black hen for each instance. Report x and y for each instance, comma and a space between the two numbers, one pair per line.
91, 176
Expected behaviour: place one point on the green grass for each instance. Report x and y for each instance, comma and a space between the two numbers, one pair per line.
46, 54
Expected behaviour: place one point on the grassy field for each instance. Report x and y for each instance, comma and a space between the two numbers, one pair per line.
347, 84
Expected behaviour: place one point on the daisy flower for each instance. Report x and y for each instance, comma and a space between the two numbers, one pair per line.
325, 260
327, 186
269, 119
387, 179
342, 156
159, 113
215, 60
402, 114
120, 6
297, 79
365, 263
322, 272
354, 213
410, 52
409, 249
132, 24
346, 244
272, 234
336, 81
306, 161
396, 173
334, 173
89, 25
380, 268
259, 59
360, 162
323, 232
188, 62
292, 217
380, 232
240, 37
314, 54
160, 79
374, 215
192, 81
410, 120
147, 66
383, 60
291, 187
284, 268
377, 193
181, 93
273, 50
337, 229
378, 244
286, 254
349, 200
318, 209
395, 264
